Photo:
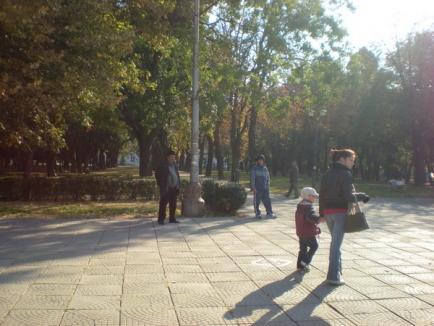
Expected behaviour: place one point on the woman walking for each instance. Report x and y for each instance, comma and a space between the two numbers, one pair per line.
336, 194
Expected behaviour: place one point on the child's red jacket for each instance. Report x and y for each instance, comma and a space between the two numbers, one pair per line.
306, 220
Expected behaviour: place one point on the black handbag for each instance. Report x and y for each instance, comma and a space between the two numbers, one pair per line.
355, 220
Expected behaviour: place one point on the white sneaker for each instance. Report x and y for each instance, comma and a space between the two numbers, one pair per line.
337, 283
271, 215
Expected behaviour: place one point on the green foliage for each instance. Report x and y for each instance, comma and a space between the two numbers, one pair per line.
80, 79
413, 64
77, 188
222, 196
58, 62
144, 188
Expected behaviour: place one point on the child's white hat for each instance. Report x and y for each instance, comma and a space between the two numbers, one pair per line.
308, 191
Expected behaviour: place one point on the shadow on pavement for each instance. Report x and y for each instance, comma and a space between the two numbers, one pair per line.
276, 289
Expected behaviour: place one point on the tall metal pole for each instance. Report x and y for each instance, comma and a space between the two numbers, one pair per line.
193, 203
194, 172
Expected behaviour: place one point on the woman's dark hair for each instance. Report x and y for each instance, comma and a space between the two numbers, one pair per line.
337, 154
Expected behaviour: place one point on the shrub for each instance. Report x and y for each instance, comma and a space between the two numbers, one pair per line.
11, 188
40, 188
184, 185
77, 187
147, 188
209, 187
222, 196
93, 187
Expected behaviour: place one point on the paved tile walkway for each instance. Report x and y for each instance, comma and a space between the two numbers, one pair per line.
216, 271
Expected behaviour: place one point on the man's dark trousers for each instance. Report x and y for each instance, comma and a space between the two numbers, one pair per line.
168, 197
264, 196
293, 187
305, 255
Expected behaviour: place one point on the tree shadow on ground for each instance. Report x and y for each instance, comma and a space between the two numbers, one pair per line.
29, 247
227, 223
274, 315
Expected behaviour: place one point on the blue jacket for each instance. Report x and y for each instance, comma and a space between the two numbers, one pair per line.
259, 178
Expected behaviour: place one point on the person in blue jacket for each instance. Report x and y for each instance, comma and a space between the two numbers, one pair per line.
260, 185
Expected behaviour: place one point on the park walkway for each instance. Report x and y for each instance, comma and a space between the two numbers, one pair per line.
216, 271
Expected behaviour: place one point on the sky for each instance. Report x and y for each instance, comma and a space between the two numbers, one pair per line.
379, 23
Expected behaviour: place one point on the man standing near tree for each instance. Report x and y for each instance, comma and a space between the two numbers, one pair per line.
260, 185
167, 177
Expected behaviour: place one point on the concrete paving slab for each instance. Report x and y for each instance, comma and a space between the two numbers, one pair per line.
216, 271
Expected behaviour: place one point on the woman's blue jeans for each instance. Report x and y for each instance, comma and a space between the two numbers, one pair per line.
335, 223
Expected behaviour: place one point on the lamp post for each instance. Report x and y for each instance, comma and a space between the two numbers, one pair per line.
193, 203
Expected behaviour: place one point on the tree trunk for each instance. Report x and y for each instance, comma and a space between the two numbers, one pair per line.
219, 151
235, 144
315, 157
252, 136
28, 164
101, 160
2, 166
235, 151
360, 166
181, 161
418, 158
79, 162
201, 153
408, 171
73, 161
326, 156
188, 161
51, 164
210, 156
115, 157
145, 155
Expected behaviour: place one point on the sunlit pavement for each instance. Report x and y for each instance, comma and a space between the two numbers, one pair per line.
216, 271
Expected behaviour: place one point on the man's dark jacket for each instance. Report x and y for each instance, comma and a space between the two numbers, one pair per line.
337, 190
162, 176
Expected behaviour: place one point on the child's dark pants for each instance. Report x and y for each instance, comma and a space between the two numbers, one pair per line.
308, 247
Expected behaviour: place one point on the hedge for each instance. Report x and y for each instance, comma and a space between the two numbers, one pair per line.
82, 187
223, 196
219, 196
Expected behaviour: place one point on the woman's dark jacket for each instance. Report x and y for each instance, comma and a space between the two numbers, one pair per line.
337, 190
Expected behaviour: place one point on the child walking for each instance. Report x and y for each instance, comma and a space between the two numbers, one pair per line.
306, 226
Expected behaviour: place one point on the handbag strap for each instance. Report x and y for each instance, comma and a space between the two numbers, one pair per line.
356, 204
358, 210
354, 207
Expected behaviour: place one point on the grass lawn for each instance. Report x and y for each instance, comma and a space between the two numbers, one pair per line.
134, 209
374, 189
78, 209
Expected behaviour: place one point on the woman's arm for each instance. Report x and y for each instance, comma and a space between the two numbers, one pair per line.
348, 188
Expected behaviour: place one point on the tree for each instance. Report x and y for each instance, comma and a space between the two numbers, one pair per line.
161, 55
413, 62
58, 62
263, 38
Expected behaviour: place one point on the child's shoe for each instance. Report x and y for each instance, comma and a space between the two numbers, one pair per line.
306, 267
